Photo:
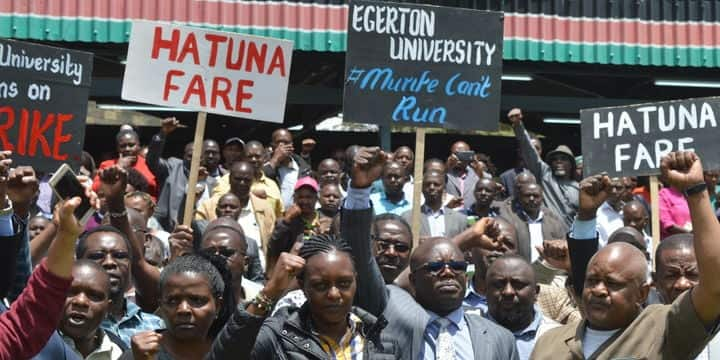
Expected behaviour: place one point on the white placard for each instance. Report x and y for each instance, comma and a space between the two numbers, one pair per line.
205, 70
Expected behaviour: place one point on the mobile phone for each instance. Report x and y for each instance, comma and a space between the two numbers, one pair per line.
66, 185
465, 156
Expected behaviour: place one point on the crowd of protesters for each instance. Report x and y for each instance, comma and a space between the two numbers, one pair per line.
284, 260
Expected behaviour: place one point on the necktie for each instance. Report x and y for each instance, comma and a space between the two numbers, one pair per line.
445, 349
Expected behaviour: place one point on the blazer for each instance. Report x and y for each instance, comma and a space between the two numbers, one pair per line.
406, 318
263, 209
452, 186
553, 227
455, 223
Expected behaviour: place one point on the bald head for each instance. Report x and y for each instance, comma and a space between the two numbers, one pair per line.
629, 235
623, 258
429, 248
459, 146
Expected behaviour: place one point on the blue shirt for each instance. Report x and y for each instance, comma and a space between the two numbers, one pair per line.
475, 300
382, 205
458, 330
525, 338
134, 321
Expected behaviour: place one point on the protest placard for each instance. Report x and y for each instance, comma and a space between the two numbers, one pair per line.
43, 102
425, 66
217, 72
631, 140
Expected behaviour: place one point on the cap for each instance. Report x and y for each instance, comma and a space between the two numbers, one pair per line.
234, 139
562, 149
307, 181
309, 141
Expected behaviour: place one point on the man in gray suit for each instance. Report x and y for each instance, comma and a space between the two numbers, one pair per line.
436, 219
434, 325
463, 173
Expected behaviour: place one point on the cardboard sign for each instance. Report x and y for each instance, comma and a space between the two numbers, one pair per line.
418, 65
212, 71
631, 140
43, 102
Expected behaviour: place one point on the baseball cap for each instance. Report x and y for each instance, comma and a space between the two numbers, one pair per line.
307, 181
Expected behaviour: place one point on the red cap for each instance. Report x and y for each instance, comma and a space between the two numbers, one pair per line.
307, 181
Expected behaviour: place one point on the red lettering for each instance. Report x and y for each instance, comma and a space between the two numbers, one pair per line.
196, 87
221, 93
22, 132
190, 47
242, 95
6, 144
37, 133
256, 57
214, 39
235, 64
59, 137
168, 82
278, 61
159, 43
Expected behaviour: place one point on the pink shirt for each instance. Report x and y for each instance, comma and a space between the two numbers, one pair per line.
673, 210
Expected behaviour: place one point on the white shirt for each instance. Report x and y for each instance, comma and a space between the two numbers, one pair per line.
608, 220
288, 178
436, 220
107, 350
250, 227
536, 234
593, 339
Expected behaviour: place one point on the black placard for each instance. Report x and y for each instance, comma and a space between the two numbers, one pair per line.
630, 140
43, 103
425, 66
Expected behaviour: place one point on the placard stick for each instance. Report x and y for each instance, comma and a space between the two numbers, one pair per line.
189, 213
417, 183
655, 216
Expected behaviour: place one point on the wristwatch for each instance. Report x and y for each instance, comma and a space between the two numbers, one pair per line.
697, 188
8, 210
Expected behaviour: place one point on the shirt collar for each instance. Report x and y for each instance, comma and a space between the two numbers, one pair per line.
470, 290
402, 202
106, 345
534, 325
427, 210
456, 317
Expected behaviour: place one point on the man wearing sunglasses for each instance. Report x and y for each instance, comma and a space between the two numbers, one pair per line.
433, 325
392, 240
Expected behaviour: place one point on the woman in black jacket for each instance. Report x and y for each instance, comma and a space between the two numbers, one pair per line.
325, 327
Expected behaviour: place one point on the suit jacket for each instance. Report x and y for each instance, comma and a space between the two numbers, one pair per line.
304, 169
553, 227
407, 320
452, 186
455, 223
263, 209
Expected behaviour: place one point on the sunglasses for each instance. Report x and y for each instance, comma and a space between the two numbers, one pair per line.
436, 267
224, 252
386, 246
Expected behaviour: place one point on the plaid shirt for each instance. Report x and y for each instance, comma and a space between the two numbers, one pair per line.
351, 345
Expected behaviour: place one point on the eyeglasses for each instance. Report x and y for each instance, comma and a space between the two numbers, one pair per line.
436, 267
385, 246
224, 252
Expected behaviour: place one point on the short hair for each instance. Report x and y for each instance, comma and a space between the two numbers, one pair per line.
87, 160
143, 195
516, 257
95, 266
674, 242
254, 143
395, 218
125, 132
81, 246
224, 223
324, 243
137, 180
214, 268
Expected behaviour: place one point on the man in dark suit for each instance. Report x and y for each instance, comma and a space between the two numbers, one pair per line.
462, 174
434, 324
437, 219
533, 221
